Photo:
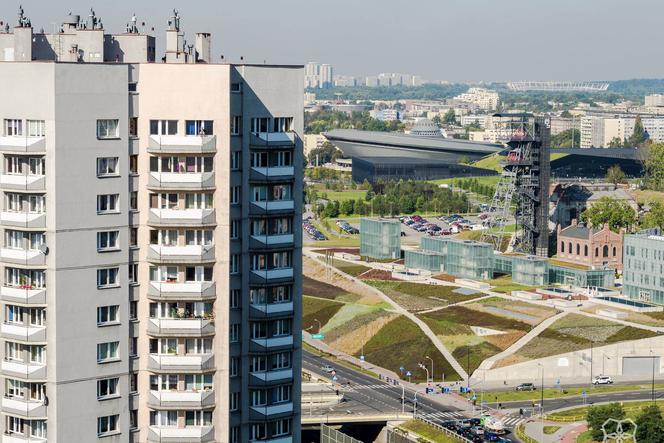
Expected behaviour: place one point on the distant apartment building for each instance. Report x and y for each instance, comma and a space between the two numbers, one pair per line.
484, 98
318, 76
313, 141
387, 115
150, 240
592, 132
473, 119
562, 124
590, 246
345, 81
654, 100
643, 266
599, 131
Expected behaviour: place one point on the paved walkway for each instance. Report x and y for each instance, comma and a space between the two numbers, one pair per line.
400, 310
537, 330
571, 435
622, 322
567, 432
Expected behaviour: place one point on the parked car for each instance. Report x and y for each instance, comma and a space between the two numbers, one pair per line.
327, 368
602, 380
526, 387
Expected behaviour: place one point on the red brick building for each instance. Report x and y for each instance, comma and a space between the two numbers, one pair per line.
585, 245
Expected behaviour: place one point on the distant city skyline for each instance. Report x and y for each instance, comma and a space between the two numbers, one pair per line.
517, 39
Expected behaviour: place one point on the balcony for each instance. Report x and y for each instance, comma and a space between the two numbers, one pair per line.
181, 363
26, 257
189, 434
182, 291
181, 399
259, 412
24, 295
23, 219
271, 343
272, 206
173, 144
181, 217
22, 182
23, 144
272, 139
285, 439
268, 310
23, 408
271, 275
175, 180
272, 173
180, 327
23, 332
271, 241
181, 254
21, 438
24, 371
270, 377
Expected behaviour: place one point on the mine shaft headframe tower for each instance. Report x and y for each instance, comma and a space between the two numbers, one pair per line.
528, 163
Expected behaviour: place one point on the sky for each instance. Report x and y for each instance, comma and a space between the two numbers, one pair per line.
454, 40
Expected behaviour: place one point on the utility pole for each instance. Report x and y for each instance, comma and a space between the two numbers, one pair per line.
432, 373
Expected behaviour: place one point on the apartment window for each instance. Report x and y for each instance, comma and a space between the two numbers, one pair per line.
235, 434
235, 229
133, 382
133, 419
281, 294
108, 128
14, 388
108, 315
282, 394
197, 237
198, 382
236, 160
236, 87
281, 260
197, 273
133, 237
36, 128
107, 424
235, 333
260, 159
282, 327
107, 351
235, 299
133, 273
133, 164
235, 367
107, 278
258, 397
234, 401
198, 346
107, 387
284, 158
133, 201
107, 241
258, 330
133, 126
236, 125
15, 425
163, 127
132, 87
258, 431
281, 427
133, 347
108, 203
235, 195
197, 164
37, 354
261, 124
235, 264
198, 201
164, 418
13, 351
281, 192
107, 166
13, 127
282, 124
281, 360
133, 310
198, 127
198, 418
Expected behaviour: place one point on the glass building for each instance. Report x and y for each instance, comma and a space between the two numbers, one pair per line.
529, 270
380, 238
469, 259
643, 266
429, 261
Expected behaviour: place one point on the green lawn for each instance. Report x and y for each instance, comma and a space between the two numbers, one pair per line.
512, 395
317, 309
632, 409
504, 285
548, 430
343, 195
350, 268
332, 242
429, 432
402, 343
491, 180
419, 296
491, 162
320, 289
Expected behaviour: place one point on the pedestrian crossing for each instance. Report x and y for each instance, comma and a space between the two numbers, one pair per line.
355, 388
512, 421
444, 415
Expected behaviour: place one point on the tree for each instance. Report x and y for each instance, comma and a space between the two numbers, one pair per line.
331, 209
649, 425
325, 154
615, 175
598, 415
450, 117
655, 217
617, 213
639, 134
437, 120
615, 143
566, 114
654, 166
347, 207
566, 139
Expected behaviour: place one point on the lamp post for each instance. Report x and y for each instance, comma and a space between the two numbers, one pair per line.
320, 326
432, 373
591, 361
542, 399
604, 356
652, 386
467, 367
423, 366
403, 399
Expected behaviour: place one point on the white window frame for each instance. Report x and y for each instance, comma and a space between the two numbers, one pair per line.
108, 388
108, 167
108, 425
108, 129
236, 160
236, 125
234, 334
108, 241
236, 195
13, 127
110, 201
108, 351
108, 315
108, 278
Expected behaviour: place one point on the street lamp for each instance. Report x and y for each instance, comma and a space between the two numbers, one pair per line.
604, 356
421, 365
542, 399
652, 386
320, 326
432, 373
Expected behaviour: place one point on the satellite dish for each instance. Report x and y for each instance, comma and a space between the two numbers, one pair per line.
43, 249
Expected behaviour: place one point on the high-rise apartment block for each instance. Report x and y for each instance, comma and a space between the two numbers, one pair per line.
600, 131
150, 240
484, 98
318, 76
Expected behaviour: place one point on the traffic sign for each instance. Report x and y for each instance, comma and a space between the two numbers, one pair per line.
584, 394
335, 378
318, 336
401, 369
361, 357
408, 374
474, 397
446, 390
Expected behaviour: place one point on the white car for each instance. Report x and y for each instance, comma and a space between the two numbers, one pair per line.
327, 368
603, 380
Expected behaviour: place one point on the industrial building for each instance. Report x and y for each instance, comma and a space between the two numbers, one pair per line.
151, 252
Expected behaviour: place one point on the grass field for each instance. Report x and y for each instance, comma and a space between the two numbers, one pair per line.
575, 332
512, 395
350, 268
320, 289
504, 285
317, 309
429, 432
343, 195
645, 196
491, 180
632, 409
419, 296
491, 162
400, 343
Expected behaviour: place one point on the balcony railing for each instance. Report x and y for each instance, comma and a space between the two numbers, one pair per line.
23, 332
269, 377
189, 434
269, 410
263, 207
183, 363
25, 295
271, 241
23, 182
181, 217
272, 173
271, 275
181, 399
23, 219
182, 143
264, 344
23, 144
269, 309
24, 408
284, 439
24, 370
180, 327
272, 139
29, 257
181, 254
182, 291
176, 180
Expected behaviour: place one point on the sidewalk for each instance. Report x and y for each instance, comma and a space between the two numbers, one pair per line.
566, 434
